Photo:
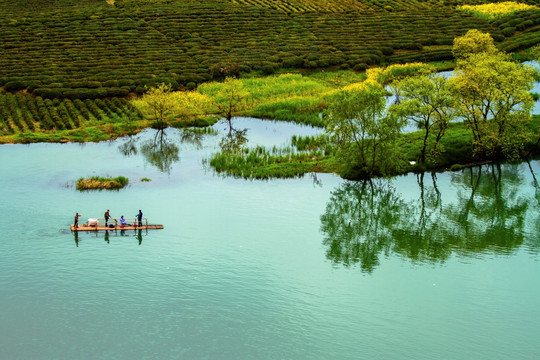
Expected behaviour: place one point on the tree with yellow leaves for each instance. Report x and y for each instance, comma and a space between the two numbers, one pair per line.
230, 100
158, 103
494, 99
473, 42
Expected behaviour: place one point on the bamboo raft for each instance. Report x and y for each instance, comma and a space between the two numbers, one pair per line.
100, 225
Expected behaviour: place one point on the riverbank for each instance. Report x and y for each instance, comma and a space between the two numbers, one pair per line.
315, 154
298, 97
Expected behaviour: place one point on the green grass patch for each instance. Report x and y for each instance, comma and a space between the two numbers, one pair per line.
299, 110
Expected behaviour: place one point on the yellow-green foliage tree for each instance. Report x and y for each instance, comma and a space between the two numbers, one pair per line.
230, 100
494, 98
473, 42
161, 104
158, 103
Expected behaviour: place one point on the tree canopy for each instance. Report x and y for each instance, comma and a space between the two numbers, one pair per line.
473, 42
428, 102
363, 131
495, 102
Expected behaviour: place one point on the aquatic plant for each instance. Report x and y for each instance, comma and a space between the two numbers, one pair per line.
101, 183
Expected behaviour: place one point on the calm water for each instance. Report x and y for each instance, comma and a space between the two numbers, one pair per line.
432, 267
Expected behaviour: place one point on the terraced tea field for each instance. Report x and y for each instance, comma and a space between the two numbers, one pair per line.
26, 113
69, 48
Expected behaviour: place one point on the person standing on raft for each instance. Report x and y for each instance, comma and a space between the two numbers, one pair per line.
107, 217
139, 218
76, 222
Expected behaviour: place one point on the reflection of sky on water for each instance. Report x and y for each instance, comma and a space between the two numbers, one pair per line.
536, 87
269, 133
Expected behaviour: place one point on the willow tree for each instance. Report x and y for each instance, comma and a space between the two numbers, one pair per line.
426, 101
363, 132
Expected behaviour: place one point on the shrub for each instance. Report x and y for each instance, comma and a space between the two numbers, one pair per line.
268, 69
15, 85
387, 50
48, 93
508, 31
360, 67
245, 69
293, 62
117, 92
111, 83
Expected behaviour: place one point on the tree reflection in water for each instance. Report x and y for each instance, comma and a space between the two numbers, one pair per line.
192, 137
234, 141
366, 219
159, 152
358, 222
129, 146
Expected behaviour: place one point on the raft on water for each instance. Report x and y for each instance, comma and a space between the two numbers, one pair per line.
114, 224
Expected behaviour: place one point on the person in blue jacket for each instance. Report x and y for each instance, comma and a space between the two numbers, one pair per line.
139, 217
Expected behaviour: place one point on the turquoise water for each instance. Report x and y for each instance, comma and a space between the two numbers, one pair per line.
313, 268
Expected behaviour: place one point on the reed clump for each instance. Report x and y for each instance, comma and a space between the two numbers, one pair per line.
101, 183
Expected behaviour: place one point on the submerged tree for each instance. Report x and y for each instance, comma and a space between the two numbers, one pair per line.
490, 213
128, 147
427, 101
359, 220
362, 131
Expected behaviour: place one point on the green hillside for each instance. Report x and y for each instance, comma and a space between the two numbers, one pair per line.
97, 48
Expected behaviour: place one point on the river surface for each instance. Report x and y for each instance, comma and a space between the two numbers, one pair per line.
442, 266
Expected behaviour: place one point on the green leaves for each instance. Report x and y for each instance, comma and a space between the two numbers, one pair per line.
428, 102
495, 102
363, 132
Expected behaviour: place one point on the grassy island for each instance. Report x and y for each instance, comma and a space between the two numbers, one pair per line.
101, 183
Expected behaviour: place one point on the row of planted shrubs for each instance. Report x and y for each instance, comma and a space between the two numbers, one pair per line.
92, 50
27, 113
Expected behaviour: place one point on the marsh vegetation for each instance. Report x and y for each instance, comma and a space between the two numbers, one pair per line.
101, 183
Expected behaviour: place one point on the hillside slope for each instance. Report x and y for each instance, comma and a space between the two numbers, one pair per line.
54, 46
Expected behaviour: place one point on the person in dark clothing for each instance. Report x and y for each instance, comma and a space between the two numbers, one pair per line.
139, 217
107, 217
76, 222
